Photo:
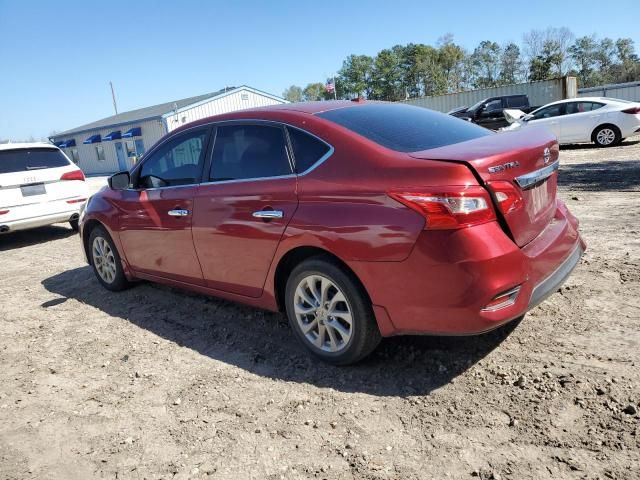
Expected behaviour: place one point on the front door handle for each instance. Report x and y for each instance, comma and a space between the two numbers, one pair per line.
178, 213
268, 214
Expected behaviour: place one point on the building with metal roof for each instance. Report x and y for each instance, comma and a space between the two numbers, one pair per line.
115, 143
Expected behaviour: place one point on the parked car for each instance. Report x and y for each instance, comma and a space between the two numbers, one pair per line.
489, 112
359, 219
39, 186
601, 120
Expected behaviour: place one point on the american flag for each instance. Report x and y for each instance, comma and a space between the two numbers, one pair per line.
330, 86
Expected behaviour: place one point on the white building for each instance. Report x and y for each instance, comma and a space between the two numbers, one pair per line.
114, 143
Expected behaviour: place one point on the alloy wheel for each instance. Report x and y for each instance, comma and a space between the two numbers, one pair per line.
104, 259
606, 136
323, 313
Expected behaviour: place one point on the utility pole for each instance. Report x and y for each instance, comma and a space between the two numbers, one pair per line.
113, 96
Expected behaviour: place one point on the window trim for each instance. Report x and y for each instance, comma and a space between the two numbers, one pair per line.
293, 153
135, 172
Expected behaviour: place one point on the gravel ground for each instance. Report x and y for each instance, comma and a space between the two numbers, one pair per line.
158, 383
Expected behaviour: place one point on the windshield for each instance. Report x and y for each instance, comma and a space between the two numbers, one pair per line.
475, 106
25, 160
404, 128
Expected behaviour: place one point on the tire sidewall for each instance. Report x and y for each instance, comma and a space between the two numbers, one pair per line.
356, 300
120, 281
617, 139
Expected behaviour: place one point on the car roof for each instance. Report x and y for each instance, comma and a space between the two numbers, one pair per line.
308, 107
25, 145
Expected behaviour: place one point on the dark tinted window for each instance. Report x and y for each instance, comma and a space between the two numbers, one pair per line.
493, 105
307, 149
516, 102
581, 107
403, 127
31, 159
248, 151
176, 162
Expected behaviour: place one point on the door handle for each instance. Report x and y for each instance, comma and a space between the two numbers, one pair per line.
268, 214
178, 213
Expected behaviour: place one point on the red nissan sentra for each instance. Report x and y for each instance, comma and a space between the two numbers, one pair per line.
359, 219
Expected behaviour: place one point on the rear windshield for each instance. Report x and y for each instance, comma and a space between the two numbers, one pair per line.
31, 159
404, 128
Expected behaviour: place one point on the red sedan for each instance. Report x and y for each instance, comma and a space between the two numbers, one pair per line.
358, 219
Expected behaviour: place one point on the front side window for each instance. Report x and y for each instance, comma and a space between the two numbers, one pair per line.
307, 149
548, 112
248, 151
100, 152
177, 162
493, 105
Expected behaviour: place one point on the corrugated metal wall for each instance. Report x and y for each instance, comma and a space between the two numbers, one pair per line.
539, 93
235, 101
152, 131
624, 91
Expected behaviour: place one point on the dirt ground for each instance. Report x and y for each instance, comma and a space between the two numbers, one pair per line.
158, 383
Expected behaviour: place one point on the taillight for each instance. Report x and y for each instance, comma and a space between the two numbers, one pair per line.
73, 175
450, 207
3, 212
76, 200
507, 196
632, 110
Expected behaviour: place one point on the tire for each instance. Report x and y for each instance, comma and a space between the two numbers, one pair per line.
607, 136
105, 261
75, 224
328, 334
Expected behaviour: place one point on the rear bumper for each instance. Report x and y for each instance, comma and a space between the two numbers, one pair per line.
450, 277
39, 221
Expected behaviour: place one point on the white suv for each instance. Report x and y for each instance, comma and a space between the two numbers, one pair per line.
39, 186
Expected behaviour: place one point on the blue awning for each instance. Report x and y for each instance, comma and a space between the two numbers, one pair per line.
112, 136
132, 132
57, 144
93, 139
68, 143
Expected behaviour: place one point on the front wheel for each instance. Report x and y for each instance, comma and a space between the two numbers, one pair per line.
330, 312
607, 136
106, 260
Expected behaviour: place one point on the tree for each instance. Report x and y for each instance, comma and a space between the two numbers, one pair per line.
628, 67
583, 53
313, 92
486, 58
452, 60
548, 48
355, 75
293, 94
605, 57
510, 64
387, 76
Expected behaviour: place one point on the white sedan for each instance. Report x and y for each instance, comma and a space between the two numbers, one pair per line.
39, 186
604, 121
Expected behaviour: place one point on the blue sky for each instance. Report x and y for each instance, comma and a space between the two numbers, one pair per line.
58, 57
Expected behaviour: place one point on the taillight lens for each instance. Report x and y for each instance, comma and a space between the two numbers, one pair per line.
507, 195
4, 212
450, 207
73, 175
632, 110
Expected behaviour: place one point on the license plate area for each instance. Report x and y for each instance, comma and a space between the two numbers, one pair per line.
540, 197
33, 189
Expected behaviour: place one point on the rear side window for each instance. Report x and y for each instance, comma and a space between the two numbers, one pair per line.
405, 128
307, 149
516, 102
248, 151
31, 159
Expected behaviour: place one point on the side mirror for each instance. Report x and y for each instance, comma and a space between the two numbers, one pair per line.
527, 117
119, 181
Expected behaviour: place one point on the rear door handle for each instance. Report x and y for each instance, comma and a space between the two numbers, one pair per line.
268, 214
178, 213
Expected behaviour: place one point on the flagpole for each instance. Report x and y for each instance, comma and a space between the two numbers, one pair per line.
335, 88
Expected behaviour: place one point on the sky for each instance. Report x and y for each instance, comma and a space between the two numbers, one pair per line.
57, 58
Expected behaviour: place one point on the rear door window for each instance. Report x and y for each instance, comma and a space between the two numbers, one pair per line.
516, 102
404, 128
581, 107
307, 149
243, 152
25, 160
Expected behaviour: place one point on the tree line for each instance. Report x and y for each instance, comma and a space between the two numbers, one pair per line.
415, 70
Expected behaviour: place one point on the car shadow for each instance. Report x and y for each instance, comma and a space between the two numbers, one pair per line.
262, 343
592, 146
26, 238
608, 175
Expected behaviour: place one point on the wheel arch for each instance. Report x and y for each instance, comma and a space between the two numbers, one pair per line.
87, 228
602, 125
299, 254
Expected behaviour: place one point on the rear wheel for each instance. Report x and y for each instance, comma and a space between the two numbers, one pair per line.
607, 136
74, 224
330, 313
106, 260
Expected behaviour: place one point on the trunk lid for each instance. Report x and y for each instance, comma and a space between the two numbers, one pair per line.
527, 159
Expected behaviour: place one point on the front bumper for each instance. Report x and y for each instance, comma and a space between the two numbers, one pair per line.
450, 277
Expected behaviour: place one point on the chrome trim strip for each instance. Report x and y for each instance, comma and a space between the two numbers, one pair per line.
510, 297
529, 180
550, 284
